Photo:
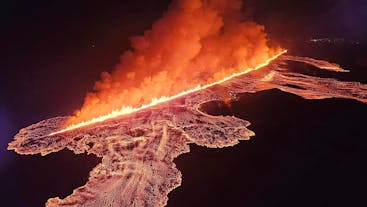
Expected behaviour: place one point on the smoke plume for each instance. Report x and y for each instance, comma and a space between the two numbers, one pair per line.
194, 42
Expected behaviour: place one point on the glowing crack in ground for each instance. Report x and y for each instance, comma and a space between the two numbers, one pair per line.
138, 149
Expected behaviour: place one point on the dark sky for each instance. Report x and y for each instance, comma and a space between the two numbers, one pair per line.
53, 52
334, 18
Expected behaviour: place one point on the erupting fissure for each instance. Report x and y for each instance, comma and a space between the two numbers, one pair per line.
194, 44
197, 44
129, 109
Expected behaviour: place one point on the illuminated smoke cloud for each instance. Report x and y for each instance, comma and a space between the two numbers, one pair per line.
195, 42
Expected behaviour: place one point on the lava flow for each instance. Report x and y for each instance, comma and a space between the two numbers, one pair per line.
129, 109
138, 149
195, 49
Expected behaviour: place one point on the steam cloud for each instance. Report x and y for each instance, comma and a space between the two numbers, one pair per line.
195, 42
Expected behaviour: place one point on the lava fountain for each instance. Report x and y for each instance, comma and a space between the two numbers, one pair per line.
147, 111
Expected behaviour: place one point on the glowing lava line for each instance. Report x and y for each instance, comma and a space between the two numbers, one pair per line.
129, 109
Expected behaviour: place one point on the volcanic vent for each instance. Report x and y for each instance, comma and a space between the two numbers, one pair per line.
160, 118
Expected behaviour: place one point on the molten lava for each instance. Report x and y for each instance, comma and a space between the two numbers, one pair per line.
195, 43
129, 109
155, 93
138, 149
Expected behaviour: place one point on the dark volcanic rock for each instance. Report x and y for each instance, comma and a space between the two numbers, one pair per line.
138, 149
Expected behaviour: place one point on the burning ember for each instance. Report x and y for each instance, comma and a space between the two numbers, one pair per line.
146, 112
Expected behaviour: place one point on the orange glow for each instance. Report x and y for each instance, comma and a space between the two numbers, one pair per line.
194, 45
195, 42
155, 101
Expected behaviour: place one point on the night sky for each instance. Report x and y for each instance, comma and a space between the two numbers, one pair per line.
305, 153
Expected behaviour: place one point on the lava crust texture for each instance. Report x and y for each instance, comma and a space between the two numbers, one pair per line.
138, 150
